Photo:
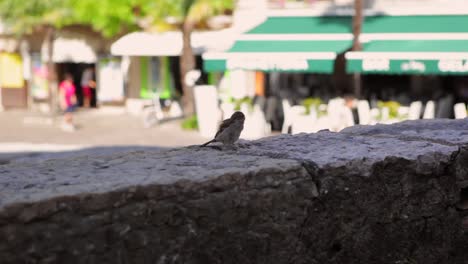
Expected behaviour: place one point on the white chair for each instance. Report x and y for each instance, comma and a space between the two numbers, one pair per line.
249, 124
206, 104
259, 116
403, 111
307, 124
334, 112
255, 125
367, 115
414, 111
429, 110
375, 113
290, 114
322, 123
313, 113
302, 124
262, 127
364, 112
347, 118
385, 117
460, 110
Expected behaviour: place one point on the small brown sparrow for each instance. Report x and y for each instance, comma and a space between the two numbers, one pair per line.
229, 130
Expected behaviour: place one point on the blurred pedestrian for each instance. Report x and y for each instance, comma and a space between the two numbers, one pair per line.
351, 103
87, 83
67, 92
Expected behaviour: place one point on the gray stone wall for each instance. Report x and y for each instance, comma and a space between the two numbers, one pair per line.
379, 194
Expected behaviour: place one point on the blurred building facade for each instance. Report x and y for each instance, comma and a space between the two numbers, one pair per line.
413, 50
12, 85
26, 81
136, 65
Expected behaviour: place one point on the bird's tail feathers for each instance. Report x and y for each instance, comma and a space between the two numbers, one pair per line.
206, 144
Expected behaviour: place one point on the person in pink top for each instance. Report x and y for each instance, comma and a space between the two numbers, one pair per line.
67, 92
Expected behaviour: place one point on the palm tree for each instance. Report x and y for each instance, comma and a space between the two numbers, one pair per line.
357, 24
357, 28
187, 59
187, 15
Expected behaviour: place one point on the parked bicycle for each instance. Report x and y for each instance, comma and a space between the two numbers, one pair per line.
160, 110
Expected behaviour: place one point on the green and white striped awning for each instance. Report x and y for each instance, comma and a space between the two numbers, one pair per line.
280, 55
311, 44
374, 24
410, 57
290, 44
303, 25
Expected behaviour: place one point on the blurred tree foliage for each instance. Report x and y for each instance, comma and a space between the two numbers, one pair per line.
110, 17
107, 16
114, 17
24, 16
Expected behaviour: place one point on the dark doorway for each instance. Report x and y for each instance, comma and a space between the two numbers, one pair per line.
77, 69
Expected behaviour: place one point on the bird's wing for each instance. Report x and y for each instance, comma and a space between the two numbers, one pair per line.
223, 126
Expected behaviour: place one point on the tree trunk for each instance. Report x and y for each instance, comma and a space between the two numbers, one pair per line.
187, 63
51, 74
357, 25
357, 28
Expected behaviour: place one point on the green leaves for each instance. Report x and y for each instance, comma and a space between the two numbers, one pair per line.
198, 11
23, 16
110, 17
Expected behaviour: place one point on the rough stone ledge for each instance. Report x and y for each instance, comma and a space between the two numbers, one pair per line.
370, 194
34, 182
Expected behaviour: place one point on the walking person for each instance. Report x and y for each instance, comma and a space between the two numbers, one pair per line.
67, 92
87, 83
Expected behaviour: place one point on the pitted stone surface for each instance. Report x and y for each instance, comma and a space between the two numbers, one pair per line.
370, 194
353, 152
30, 182
445, 131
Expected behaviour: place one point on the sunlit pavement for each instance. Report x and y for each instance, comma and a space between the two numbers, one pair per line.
22, 131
